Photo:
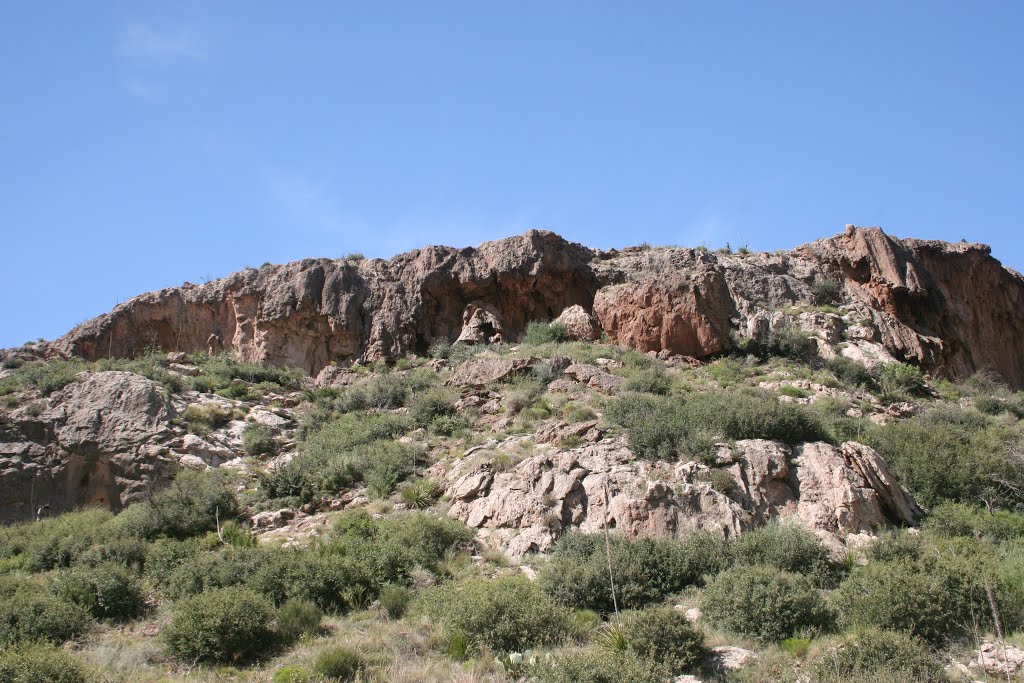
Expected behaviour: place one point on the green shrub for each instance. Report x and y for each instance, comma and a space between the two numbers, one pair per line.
666, 636
447, 425
342, 454
933, 598
506, 614
191, 505
785, 342
788, 547
339, 664
29, 614
297, 618
653, 381
596, 666
55, 542
258, 439
436, 402
107, 591
39, 663
538, 333
899, 382
871, 652
849, 372
764, 603
291, 674
394, 600
952, 454
165, 555
660, 427
826, 290
220, 625
203, 418
962, 519
645, 570
420, 494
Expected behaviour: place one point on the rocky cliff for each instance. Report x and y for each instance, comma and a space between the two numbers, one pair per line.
951, 308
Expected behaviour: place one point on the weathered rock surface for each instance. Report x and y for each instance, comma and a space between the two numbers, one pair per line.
833, 491
1000, 659
951, 308
98, 441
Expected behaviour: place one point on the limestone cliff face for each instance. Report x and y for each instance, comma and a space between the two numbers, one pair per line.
951, 308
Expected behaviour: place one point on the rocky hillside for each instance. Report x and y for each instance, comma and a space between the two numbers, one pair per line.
950, 308
805, 466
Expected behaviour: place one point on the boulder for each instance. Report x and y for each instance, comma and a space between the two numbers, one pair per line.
579, 325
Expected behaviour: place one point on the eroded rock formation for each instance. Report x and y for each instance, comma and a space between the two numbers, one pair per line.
835, 491
951, 308
98, 441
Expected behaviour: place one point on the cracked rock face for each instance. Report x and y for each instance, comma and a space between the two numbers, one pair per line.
951, 308
99, 441
834, 491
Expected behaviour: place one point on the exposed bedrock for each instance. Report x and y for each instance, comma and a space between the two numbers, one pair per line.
951, 308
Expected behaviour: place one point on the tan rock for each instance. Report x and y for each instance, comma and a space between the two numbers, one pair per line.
579, 325
488, 368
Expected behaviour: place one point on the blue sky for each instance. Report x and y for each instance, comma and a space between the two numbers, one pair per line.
143, 144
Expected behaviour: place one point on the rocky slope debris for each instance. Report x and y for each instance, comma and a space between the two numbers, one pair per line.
950, 308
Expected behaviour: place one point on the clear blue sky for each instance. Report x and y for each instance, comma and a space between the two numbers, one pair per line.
143, 144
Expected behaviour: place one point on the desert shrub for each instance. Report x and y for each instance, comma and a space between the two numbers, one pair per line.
55, 542
765, 603
899, 382
826, 290
952, 454
191, 505
932, 599
40, 663
962, 519
421, 538
431, 404
447, 425
871, 652
258, 439
543, 333
165, 555
597, 666
334, 583
342, 453
339, 664
506, 614
30, 614
653, 381
45, 377
220, 372
645, 570
291, 674
386, 391
665, 636
297, 618
660, 427
107, 591
220, 625
727, 371
788, 547
785, 342
849, 372
203, 418
419, 494
793, 392
394, 600
252, 567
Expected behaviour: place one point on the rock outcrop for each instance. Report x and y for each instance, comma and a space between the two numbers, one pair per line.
951, 308
834, 491
98, 441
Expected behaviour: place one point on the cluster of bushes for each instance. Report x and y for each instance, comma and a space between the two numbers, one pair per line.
221, 374
950, 453
346, 451
663, 427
